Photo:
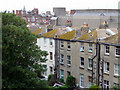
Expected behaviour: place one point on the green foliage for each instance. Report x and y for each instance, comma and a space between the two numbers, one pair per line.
94, 87
60, 87
61, 80
20, 55
49, 77
70, 81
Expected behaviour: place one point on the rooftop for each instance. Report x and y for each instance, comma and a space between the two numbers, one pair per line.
51, 34
68, 36
115, 39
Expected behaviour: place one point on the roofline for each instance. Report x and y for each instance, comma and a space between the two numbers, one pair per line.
111, 44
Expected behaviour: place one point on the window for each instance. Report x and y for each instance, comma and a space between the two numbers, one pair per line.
68, 59
28, 19
81, 80
62, 74
68, 44
45, 41
81, 61
117, 50
51, 55
116, 69
106, 84
90, 63
51, 43
51, 70
106, 67
107, 49
90, 47
62, 59
33, 19
62, 44
68, 73
89, 81
82, 47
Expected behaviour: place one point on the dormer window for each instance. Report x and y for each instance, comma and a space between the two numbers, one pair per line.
82, 47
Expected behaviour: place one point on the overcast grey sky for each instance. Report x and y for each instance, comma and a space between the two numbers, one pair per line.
47, 5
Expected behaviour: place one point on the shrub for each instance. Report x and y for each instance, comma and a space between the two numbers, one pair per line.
61, 80
70, 81
95, 87
49, 77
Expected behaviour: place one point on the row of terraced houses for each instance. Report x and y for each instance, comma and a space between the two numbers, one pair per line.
91, 56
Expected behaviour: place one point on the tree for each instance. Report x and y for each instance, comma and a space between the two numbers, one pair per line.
21, 57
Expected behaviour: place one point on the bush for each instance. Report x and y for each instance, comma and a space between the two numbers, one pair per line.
61, 80
60, 87
70, 81
94, 87
49, 77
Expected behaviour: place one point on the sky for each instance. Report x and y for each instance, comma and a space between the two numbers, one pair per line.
47, 5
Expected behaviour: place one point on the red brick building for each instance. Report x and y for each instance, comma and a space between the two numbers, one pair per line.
33, 17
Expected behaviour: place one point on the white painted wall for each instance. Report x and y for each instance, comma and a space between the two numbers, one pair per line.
49, 48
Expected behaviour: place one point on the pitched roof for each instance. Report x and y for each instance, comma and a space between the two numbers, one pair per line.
89, 36
51, 33
38, 31
68, 36
115, 39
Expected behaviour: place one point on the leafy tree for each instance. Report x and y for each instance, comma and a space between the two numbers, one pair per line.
21, 57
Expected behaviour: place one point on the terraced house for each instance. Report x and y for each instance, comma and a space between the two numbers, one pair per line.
79, 52
91, 56
47, 43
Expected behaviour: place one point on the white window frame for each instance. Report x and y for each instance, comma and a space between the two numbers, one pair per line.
90, 47
116, 69
51, 42
82, 80
62, 58
82, 47
28, 19
106, 67
117, 51
68, 60
107, 49
81, 58
106, 84
90, 62
89, 83
62, 74
33, 19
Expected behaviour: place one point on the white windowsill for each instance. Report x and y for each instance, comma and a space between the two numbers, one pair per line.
89, 68
117, 55
82, 67
69, 65
106, 72
107, 54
